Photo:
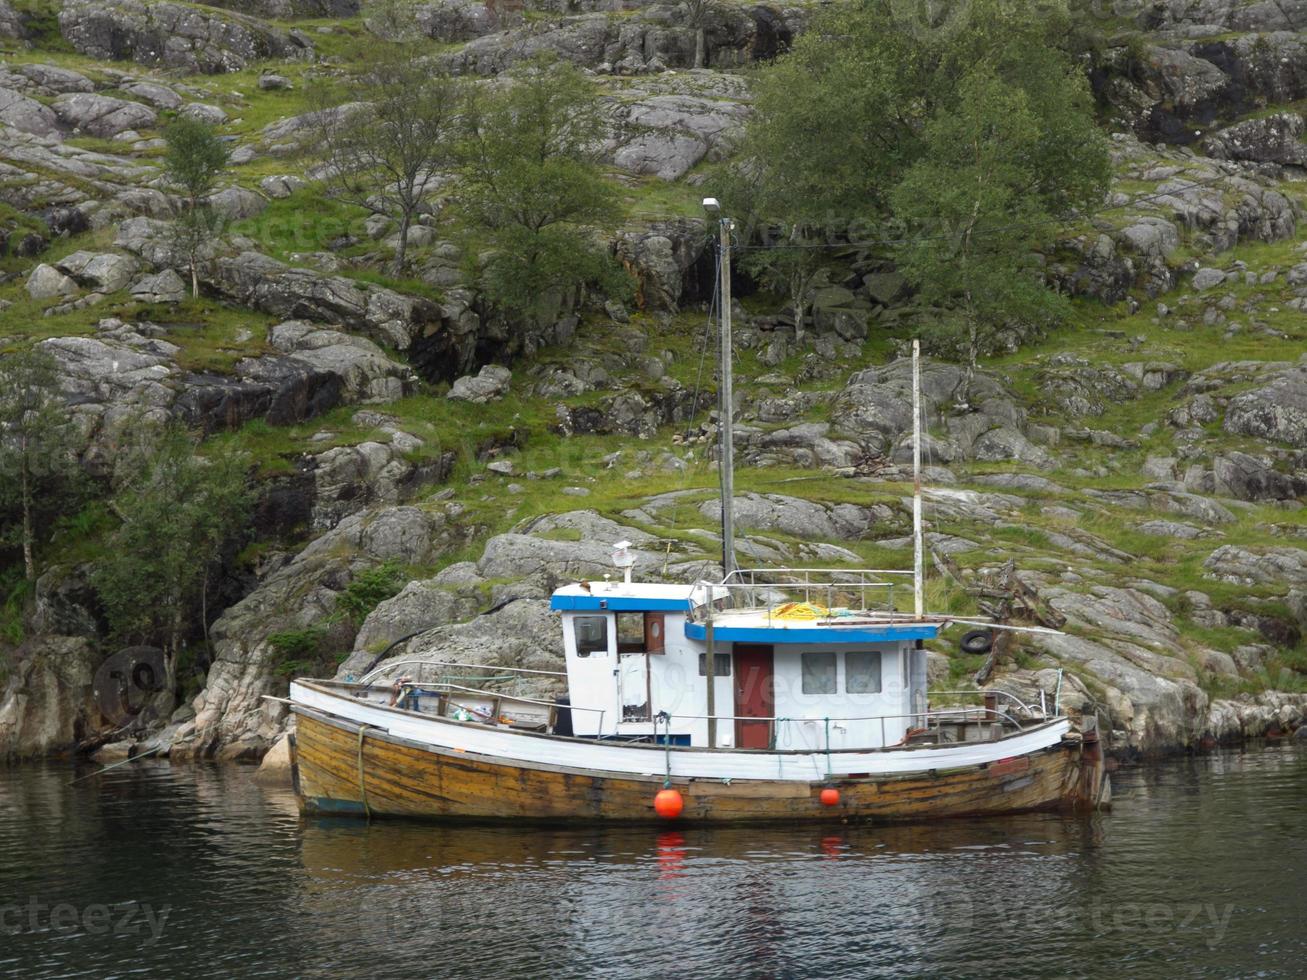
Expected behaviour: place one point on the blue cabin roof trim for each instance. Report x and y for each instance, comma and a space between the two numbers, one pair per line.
616, 603
814, 635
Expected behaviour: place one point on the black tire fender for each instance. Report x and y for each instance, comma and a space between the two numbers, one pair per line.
977, 641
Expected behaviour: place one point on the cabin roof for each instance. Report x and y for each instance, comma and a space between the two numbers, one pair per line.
810, 633
621, 597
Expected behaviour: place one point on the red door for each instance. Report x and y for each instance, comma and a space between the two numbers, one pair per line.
754, 696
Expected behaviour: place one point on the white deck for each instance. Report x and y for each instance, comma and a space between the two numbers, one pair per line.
517, 748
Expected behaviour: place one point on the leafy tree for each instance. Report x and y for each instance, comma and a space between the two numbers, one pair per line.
973, 199
794, 268
917, 95
39, 471
531, 179
178, 512
195, 159
388, 157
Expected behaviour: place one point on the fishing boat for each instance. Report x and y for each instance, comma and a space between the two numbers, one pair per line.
826, 718
794, 695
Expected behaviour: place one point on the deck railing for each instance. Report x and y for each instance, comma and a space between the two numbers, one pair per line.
427, 665
846, 593
920, 721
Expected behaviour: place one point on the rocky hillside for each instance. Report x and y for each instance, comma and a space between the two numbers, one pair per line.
1144, 465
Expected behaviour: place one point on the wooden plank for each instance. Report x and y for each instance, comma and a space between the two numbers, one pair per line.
405, 780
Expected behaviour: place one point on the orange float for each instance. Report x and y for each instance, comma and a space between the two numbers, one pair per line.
668, 804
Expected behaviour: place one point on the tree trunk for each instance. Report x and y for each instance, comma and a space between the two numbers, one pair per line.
973, 355
195, 275
798, 292
699, 42
402, 248
29, 559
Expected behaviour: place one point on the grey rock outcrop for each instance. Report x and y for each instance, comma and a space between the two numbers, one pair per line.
1265, 566
26, 114
803, 518
160, 287
667, 135
318, 369
125, 375
1276, 411
652, 39
523, 633
210, 115
232, 719
1151, 696
47, 282
1245, 477
491, 384
102, 115
419, 607
105, 272
291, 9
874, 410
661, 258
349, 479
11, 25
1270, 139
442, 20
173, 35
47, 705
265, 284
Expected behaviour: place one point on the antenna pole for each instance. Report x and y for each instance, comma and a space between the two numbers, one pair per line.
727, 410
918, 563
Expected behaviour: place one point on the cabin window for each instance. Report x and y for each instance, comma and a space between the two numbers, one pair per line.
721, 664
630, 632
640, 632
591, 635
862, 672
818, 673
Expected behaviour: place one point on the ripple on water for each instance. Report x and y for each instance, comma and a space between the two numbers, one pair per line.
1195, 873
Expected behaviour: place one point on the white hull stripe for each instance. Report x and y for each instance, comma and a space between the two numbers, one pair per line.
510, 747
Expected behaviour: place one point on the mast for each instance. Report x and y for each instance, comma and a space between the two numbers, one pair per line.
727, 409
918, 563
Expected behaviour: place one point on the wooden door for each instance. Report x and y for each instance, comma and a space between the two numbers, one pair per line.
653, 633
754, 695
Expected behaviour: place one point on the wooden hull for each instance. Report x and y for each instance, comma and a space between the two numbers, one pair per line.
342, 769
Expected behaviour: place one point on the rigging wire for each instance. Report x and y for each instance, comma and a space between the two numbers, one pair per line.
707, 332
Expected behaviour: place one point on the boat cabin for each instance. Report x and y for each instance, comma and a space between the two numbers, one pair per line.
786, 673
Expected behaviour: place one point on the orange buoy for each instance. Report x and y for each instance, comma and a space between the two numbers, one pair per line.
668, 804
830, 796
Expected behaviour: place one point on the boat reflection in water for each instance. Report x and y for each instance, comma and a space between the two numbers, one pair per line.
566, 901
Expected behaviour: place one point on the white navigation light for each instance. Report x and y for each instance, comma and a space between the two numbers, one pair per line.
623, 559
711, 205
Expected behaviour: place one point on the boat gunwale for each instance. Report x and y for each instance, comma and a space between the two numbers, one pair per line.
321, 687
659, 778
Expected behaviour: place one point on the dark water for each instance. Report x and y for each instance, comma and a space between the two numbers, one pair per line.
158, 871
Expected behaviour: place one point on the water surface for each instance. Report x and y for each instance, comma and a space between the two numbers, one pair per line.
202, 873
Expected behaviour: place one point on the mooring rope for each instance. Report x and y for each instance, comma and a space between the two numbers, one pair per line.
666, 719
828, 766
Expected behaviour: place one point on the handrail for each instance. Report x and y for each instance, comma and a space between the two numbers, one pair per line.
809, 571
495, 694
366, 679
828, 584
930, 713
996, 691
